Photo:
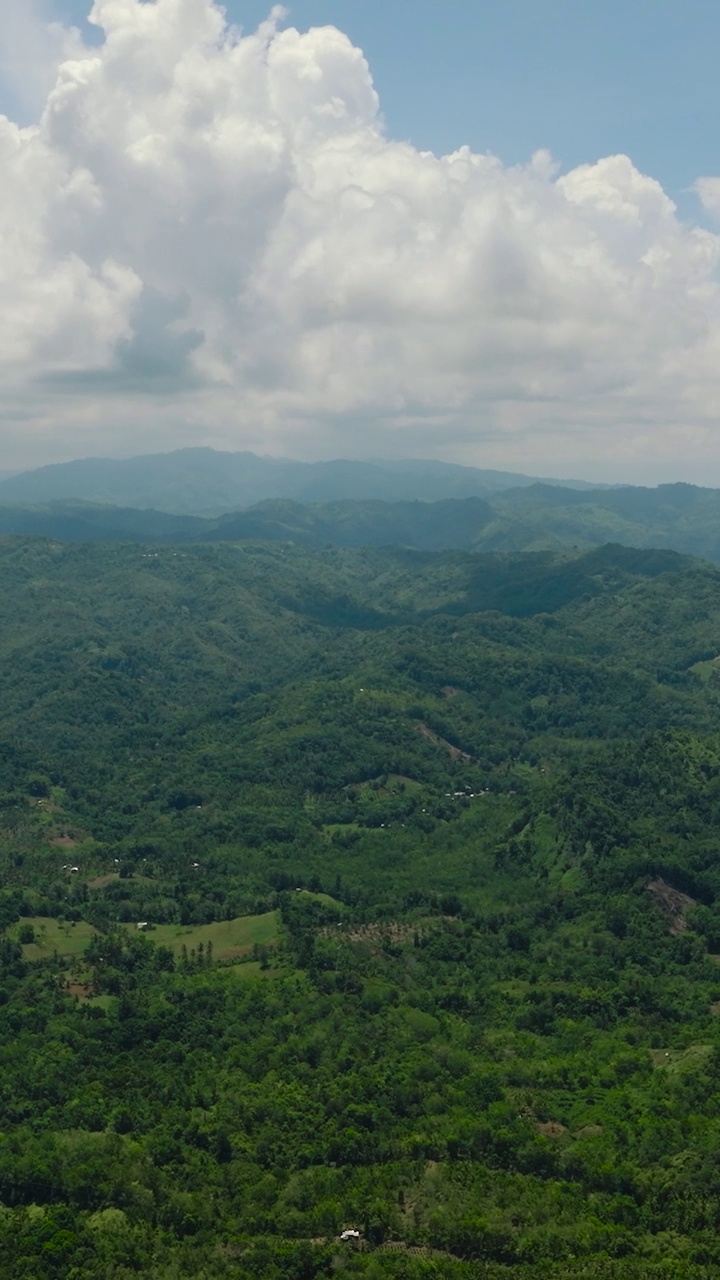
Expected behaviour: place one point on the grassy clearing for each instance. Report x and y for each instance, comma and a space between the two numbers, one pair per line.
387, 785
230, 939
101, 1002
52, 935
706, 669
325, 898
253, 969
677, 1060
112, 877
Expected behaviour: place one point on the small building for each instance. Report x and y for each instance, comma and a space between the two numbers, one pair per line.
142, 924
350, 1234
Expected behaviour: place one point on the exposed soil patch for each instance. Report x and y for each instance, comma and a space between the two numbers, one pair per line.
413, 1250
391, 931
454, 752
78, 989
672, 903
363, 1246
64, 841
378, 936
449, 691
551, 1129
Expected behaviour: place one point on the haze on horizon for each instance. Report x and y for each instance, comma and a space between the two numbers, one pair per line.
211, 237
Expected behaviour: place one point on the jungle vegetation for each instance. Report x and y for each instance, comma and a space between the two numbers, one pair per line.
530, 518
358, 889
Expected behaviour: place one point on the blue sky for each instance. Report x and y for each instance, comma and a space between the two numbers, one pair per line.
583, 78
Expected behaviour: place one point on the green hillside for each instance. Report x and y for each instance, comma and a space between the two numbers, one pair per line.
536, 517
358, 888
681, 516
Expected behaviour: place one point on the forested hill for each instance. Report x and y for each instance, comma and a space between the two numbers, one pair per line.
358, 889
534, 517
682, 516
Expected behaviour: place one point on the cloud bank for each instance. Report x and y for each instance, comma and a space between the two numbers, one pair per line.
208, 237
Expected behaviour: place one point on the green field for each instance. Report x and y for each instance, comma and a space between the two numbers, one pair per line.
326, 899
231, 939
52, 935
705, 670
253, 969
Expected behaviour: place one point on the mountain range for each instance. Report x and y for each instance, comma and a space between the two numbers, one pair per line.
206, 482
535, 517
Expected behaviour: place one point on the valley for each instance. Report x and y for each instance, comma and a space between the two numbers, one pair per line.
370, 889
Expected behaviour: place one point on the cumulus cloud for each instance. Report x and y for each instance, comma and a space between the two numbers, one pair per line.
708, 189
31, 49
208, 236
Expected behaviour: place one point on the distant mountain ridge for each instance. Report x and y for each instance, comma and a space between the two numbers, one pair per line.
205, 482
539, 517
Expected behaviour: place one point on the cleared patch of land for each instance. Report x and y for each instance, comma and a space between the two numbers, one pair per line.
675, 1060
231, 939
52, 935
672, 903
254, 969
325, 898
110, 877
705, 670
386, 785
455, 753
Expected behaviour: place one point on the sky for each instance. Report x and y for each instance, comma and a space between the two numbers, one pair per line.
479, 232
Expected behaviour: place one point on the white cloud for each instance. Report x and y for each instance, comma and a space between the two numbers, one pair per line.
31, 49
708, 189
208, 236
